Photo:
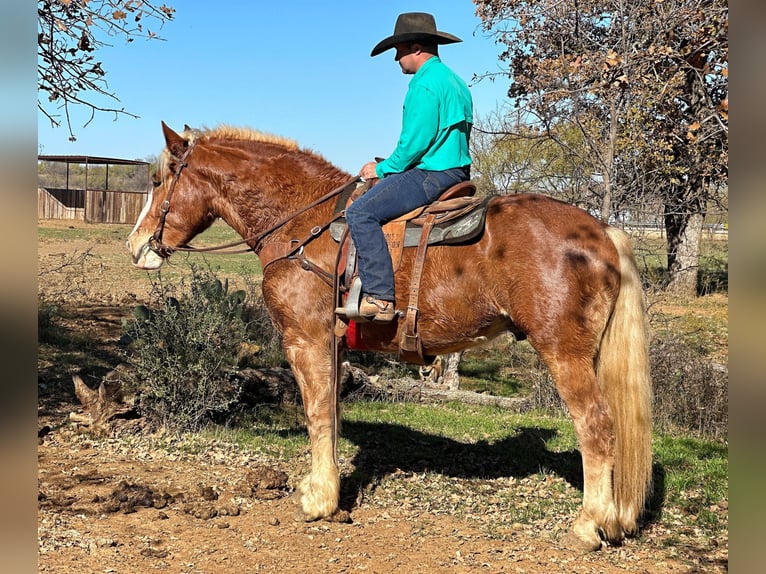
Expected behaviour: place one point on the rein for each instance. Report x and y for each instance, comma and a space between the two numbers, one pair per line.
315, 231
156, 244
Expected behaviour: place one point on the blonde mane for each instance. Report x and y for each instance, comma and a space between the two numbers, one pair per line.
224, 131
240, 133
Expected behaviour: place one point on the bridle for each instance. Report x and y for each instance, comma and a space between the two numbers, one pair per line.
253, 242
155, 241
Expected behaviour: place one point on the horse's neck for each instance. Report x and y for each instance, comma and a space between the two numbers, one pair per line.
265, 188
252, 213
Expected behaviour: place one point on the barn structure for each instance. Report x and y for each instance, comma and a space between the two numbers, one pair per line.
90, 188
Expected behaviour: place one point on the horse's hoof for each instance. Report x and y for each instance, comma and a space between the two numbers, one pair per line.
340, 516
300, 516
572, 542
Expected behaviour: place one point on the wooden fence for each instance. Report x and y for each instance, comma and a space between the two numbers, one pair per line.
78, 187
102, 206
92, 205
53, 203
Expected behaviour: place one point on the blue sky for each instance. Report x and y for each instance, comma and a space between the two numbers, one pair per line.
300, 69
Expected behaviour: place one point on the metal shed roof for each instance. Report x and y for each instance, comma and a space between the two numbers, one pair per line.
90, 159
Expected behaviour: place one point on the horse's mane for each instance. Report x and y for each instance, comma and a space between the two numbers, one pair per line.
238, 133
227, 132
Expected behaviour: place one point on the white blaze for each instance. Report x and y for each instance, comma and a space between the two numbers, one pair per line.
143, 213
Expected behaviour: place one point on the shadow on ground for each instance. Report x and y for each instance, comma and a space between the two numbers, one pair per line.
385, 448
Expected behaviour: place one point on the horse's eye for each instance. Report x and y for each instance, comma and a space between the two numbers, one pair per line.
156, 181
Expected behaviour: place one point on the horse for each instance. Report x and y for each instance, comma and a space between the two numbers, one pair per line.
541, 269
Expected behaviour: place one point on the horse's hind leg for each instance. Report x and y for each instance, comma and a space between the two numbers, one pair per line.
578, 387
310, 361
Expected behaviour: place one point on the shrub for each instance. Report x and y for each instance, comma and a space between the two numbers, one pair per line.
545, 396
260, 328
690, 391
183, 351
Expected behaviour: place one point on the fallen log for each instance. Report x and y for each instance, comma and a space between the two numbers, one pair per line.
358, 385
277, 385
268, 385
101, 405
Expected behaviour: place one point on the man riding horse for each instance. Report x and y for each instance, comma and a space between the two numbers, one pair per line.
431, 155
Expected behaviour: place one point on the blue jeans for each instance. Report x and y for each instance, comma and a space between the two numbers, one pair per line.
392, 196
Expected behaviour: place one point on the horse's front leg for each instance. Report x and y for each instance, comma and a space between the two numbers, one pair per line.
311, 363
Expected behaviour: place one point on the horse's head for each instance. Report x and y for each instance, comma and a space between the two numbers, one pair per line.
176, 210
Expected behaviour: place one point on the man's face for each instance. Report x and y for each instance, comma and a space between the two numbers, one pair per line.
405, 57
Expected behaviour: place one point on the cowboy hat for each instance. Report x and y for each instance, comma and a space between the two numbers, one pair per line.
413, 27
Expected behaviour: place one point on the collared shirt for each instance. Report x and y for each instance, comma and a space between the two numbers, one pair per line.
436, 122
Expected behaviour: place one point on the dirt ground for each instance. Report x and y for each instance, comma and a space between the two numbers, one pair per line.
107, 506
122, 504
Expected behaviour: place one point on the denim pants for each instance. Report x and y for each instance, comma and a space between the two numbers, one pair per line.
392, 196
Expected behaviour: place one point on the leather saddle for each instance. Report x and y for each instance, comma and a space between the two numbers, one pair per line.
456, 217
457, 220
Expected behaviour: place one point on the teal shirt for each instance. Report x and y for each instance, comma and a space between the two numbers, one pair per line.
436, 122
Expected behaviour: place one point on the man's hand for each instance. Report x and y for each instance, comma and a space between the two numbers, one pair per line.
368, 171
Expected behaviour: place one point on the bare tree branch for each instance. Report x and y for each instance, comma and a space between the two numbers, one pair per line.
634, 94
69, 34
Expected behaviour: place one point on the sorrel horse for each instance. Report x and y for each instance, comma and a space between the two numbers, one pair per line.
541, 269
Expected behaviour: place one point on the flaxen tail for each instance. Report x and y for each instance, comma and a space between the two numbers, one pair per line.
623, 374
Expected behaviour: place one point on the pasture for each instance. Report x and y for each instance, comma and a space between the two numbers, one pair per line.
425, 487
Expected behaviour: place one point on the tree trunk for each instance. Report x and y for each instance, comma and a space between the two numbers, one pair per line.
687, 205
683, 226
451, 375
102, 405
443, 371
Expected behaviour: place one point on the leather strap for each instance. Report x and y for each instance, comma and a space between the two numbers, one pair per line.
410, 345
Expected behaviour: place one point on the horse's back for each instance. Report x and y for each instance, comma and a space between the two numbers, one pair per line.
543, 231
531, 212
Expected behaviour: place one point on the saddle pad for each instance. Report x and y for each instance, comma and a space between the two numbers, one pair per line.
458, 230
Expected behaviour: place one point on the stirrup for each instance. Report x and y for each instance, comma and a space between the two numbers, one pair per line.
351, 309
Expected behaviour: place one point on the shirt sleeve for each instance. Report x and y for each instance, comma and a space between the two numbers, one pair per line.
420, 125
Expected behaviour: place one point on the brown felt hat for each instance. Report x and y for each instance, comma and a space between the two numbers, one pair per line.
414, 27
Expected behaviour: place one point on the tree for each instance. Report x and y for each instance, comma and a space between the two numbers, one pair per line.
646, 85
69, 33
513, 156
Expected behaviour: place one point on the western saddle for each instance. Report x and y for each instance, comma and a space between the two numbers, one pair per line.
456, 217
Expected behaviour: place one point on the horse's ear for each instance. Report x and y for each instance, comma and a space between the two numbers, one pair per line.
174, 142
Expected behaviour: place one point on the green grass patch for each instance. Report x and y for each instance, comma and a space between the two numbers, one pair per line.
488, 376
225, 263
503, 367
278, 432
97, 233
456, 420
228, 264
456, 439
693, 474
713, 275
454, 446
